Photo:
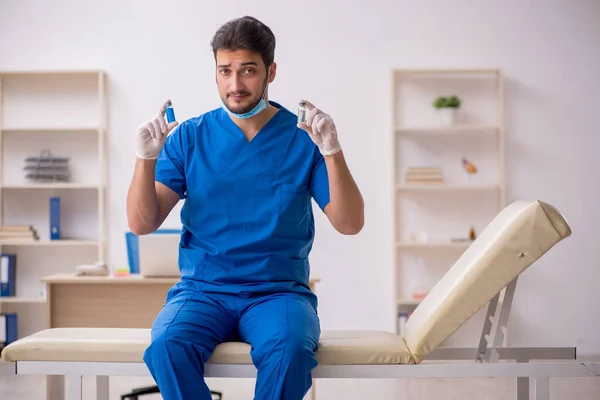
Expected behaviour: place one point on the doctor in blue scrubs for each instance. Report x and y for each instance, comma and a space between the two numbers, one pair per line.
247, 172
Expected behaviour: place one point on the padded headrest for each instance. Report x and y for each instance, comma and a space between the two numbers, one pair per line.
519, 235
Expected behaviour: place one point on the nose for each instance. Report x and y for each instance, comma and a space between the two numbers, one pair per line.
236, 83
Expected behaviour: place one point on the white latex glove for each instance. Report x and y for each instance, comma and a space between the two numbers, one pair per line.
152, 134
321, 129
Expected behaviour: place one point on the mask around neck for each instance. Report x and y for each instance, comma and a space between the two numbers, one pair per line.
261, 106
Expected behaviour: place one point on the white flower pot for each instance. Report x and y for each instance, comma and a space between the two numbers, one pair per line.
448, 116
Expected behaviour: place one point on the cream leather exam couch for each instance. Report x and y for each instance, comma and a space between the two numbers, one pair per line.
516, 238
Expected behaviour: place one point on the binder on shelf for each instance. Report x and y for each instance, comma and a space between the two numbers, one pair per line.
132, 243
402, 318
8, 275
8, 328
3, 330
54, 218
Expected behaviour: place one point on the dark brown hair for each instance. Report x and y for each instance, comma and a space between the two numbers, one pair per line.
245, 33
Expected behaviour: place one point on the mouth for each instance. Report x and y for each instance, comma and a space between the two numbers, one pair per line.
238, 97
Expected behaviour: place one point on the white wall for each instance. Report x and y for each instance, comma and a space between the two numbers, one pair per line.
339, 55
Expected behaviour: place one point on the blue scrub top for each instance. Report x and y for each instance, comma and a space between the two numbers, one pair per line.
247, 217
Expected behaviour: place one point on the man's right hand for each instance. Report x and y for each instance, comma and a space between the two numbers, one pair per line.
152, 134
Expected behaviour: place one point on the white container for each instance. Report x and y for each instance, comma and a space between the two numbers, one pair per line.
448, 116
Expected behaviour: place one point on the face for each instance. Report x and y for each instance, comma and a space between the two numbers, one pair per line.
241, 79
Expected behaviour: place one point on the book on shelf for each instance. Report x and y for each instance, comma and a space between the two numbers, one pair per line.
24, 233
424, 175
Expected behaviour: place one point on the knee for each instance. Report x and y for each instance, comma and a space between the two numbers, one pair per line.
158, 350
299, 352
170, 346
290, 349
297, 346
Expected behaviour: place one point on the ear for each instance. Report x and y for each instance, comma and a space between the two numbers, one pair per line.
272, 72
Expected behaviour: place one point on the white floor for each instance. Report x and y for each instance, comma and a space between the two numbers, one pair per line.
33, 388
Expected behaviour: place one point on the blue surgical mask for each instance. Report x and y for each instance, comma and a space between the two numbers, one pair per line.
262, 105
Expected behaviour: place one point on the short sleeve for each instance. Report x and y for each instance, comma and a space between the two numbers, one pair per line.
170, 165
319, 183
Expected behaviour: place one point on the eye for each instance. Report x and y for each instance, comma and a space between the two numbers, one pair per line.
224, 71
249, 71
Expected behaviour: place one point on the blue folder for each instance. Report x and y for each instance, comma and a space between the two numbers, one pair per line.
8, 274
131, 240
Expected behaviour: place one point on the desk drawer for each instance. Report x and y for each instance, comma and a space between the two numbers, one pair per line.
106, 305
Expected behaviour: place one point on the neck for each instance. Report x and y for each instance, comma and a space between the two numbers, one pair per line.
252, 125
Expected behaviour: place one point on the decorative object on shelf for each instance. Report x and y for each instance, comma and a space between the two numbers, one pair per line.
448, 109
46, 168
419, 237
469, 167
472, 235
419, 294
424, 175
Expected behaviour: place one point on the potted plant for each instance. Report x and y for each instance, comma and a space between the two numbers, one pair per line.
447, 107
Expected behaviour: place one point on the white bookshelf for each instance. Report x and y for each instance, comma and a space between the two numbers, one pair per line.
64, 112
433, 220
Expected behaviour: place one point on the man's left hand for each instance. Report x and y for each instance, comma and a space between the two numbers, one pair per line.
321, 129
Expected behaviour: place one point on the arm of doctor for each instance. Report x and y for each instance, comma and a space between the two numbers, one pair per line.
149, 202
345, 210
346, 207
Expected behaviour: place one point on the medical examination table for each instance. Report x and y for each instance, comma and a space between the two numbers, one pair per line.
485, 274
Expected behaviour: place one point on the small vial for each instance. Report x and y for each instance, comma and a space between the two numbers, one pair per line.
301, 112
170, 113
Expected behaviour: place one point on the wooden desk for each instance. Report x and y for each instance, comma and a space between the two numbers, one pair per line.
107, 301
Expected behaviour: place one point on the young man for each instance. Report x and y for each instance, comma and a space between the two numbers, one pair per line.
247, 172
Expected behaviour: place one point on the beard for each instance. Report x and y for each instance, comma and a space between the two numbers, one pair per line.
240, 108
236, 108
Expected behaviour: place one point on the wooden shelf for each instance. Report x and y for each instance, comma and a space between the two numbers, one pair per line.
408, 302
23, 300
37, 73
447, 130
446, 187
62, 242
435, 246
443, 71
52, 185
54, 129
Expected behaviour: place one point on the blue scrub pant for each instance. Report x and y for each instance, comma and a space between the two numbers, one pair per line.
282, 329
